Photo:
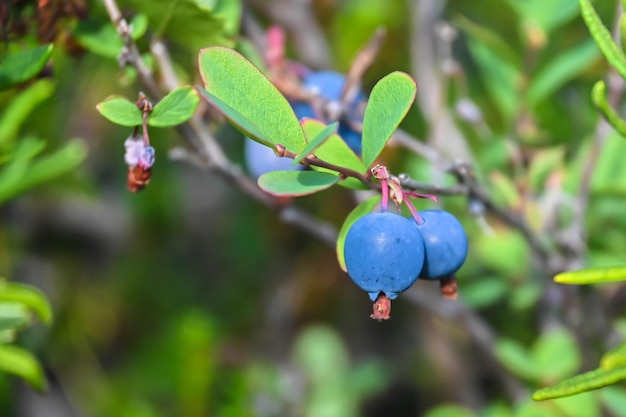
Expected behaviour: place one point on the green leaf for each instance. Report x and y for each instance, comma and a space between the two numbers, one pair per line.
13, 172
13, 315
614, 357
603, 38
561, 70
21, 66
121, 111
556, 354
22, 175
316, 141
175, 108
335, 151
242, 123
490, 40
191, 23
29, 296
517, 359
587, 381
359, 211
449, 410
296, 183
591, 276
22, 363
598, 96
98, 35
19, 108
389, 102
239, 85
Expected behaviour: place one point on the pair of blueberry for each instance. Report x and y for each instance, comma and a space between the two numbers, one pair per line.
386, 252
328, 86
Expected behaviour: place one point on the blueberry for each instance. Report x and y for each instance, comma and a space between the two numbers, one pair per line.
261, 159
383, 253
445, 243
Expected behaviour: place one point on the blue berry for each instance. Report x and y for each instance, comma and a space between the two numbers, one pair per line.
383, 253
445, 243
261, 159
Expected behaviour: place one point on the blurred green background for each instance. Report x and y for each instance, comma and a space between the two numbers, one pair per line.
191, 299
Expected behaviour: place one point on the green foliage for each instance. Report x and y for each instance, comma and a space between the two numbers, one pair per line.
22, 363
592, 276
388, 103
121, 111
21, 66
603, 38
553, 356
248, 99
20, 109
193, 23
99, 36
296, 183
316, 141
598, 95
561, 70
18, 304
598, 378
335, 151
175, 108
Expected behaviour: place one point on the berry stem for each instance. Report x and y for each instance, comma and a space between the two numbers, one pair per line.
413, 211
384, 204
144, 122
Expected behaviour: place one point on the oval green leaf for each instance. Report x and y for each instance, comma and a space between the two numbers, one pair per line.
29, 296
587, 381
592, 276
389, 102
21, 66
296, 183
249, 95
603, 38
121, 111
316, 141
22, 363
359, 211
175, 108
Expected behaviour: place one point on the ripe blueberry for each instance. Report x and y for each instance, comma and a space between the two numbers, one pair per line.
261, 159
384, 252
445, 243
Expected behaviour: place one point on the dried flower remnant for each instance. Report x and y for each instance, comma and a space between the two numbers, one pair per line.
139, 157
